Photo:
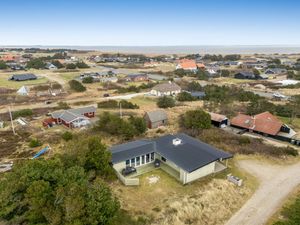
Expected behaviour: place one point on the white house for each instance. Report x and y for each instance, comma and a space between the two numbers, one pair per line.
169, 88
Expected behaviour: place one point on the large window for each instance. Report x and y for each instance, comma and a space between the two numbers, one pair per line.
127, 163
152, 156
147, 158
137, 159
133, 162
163, 159
143, 159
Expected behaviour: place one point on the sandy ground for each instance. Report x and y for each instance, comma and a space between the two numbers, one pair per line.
276, 182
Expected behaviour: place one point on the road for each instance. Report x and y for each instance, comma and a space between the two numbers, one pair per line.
276, 182
3, 109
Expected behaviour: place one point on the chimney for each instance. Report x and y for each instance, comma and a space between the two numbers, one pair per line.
177, 141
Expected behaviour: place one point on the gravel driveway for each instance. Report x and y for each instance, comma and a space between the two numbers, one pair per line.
276, 182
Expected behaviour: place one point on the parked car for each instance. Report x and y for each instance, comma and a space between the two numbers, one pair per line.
106, 95
128, 170
47, 102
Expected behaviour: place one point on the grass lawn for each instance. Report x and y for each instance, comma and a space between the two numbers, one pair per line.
69, 76
169, 202
278, 216
4, 82
230, 80
144, 101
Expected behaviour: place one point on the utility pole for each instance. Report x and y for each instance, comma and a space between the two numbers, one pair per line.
120, 109
12, 123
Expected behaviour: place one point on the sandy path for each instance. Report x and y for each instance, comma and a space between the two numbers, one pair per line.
54, 77
276, 182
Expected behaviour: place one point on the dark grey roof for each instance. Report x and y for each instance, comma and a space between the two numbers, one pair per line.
157, 115
72, 114
131, 149
198, 94
190, 155
22, 77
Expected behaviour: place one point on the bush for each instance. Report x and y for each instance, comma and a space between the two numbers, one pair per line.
82, 65
63, 105
34, 143
3, 65
112, 104
185, 96
77, 86
71, 66
88, 80
114, 125
166, 102
196, 119
67, 136
36, 64
22, 113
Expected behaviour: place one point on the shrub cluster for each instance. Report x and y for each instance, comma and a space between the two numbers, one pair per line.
112, 104
77, 86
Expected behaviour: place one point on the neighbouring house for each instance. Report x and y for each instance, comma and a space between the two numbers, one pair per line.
251, 76
265, 124
181, 156
218, 120
201, 66
155, 119
187, 64
157, 77
103, 77
137, 77
23, 91
74, 118
169, 88
276, 71
198, 94
23, 77
50, 66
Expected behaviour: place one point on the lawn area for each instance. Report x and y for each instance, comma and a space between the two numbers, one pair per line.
4, 82
144, 102
230, 80
289, 207
69, 76
169, 202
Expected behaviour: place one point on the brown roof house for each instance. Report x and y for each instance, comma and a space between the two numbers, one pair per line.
169, 88
187, 64
264, 123
155, 119
218, 120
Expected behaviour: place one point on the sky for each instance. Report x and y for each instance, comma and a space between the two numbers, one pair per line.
150, 22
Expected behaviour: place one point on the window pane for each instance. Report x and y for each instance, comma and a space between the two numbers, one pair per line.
143, 159
133, 162
147, 158
152, 156
137, 159
127, 162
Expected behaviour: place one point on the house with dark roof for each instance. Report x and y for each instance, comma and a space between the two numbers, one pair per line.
265, 124
156, 118
23, 77
168, 88
137, 77
74, 118
276, 71
183, 157
244, 75
198, 94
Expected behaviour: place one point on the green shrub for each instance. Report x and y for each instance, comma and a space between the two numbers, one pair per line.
166, 102
22, 113
34, 143
185, 96
71, 66
67, 136
88, 80
82, 65
112, 104
63, 105
77, 86
196, 119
